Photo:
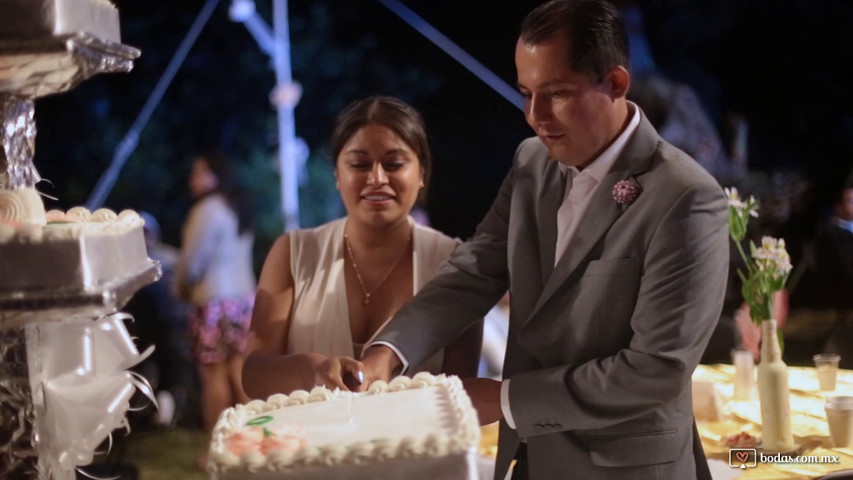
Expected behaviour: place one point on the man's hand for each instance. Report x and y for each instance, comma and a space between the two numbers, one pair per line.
379, 363
485, 395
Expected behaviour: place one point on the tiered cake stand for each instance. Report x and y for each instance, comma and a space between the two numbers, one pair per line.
64, 352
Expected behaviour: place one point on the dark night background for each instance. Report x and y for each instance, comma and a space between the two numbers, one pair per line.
783, 65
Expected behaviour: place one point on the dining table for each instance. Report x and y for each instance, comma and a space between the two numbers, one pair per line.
733, 417
737, 416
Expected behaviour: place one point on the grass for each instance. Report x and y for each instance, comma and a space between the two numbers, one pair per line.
166, 454
155, 454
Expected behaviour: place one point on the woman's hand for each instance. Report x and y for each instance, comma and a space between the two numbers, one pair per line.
345, 373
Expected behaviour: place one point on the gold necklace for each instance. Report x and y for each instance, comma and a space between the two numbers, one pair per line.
367, 294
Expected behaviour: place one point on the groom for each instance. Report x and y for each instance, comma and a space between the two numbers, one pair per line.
613, 245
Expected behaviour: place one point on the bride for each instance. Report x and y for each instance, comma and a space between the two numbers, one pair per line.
325, 292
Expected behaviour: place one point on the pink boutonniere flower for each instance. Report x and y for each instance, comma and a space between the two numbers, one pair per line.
626, 192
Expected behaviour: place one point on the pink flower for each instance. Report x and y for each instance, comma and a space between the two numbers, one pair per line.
287, 443
626, 192
256, 439
245, 441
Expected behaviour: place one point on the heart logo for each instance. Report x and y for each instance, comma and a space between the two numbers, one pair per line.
742, 456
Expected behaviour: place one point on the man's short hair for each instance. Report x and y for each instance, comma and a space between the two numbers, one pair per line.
598, 39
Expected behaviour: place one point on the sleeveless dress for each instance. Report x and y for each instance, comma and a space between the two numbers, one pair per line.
320, 318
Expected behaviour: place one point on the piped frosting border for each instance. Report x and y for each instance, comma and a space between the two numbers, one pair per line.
75, 223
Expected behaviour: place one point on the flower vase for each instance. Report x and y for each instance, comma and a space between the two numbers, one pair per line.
773, 393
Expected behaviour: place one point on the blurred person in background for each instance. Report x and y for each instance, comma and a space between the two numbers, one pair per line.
160, 319
834, 270
674, 108
216, 276
834, 253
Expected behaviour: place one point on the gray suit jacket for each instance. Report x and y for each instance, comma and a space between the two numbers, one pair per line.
602, 346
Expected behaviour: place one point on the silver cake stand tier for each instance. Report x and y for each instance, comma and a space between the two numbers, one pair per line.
21, 307
33, 68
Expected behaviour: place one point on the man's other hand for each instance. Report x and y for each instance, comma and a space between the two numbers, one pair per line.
379, 363
485, 395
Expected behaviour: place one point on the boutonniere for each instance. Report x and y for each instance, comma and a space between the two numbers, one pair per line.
625, 192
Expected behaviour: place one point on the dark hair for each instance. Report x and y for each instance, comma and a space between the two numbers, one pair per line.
389, 112
230, 187
598, 40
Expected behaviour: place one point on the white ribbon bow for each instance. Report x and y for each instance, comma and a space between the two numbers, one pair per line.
85, 386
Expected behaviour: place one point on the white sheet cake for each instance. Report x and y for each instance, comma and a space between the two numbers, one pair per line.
424, 427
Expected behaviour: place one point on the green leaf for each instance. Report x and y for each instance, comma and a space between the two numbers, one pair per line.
258, 421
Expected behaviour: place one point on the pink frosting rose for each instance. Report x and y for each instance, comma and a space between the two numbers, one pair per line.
287, 443
245, 441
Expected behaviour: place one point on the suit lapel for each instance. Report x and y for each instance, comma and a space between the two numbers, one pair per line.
602, 212
550, 198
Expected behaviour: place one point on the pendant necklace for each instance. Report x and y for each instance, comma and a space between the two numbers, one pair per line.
367, 295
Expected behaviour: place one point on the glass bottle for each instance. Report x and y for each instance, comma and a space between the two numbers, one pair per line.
773, 393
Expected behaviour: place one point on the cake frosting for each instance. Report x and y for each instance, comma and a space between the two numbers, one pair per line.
73, 249
29, 19
423, 427
22, 205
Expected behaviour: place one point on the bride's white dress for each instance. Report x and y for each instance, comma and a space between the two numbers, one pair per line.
320, 317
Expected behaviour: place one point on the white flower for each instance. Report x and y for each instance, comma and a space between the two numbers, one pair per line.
749, 207
768, 265
733, 196
770, 243
772, 257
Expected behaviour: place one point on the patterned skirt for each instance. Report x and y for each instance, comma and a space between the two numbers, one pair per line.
220, 328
